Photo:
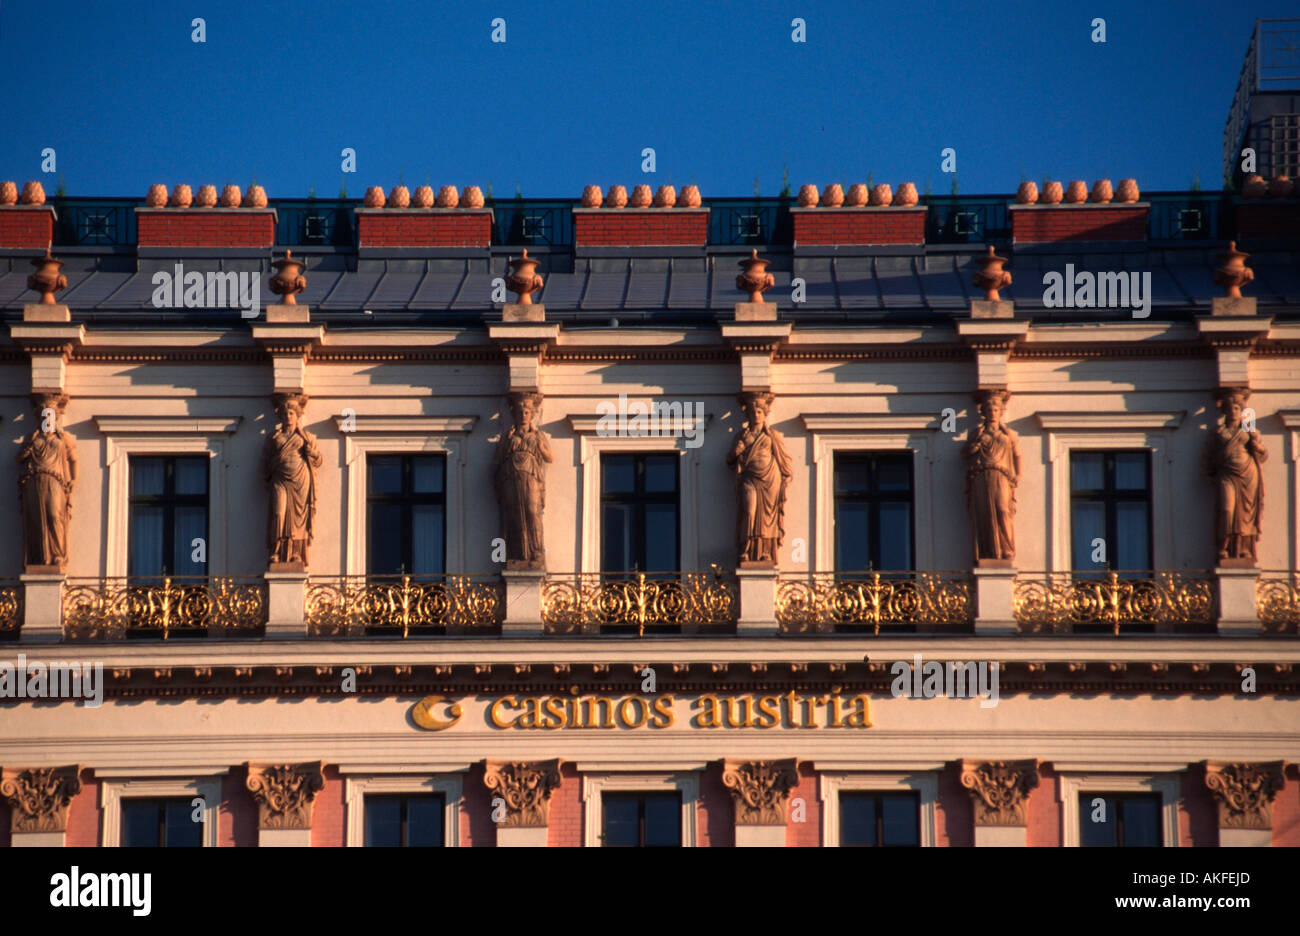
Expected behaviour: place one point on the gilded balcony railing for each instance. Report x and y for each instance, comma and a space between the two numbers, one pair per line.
669, 602
829, 602
1063, 603
11, 608
1277, 599
356, 605
114, 608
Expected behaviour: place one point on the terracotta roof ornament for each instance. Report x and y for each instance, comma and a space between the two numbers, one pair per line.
755, 279
991, 277
288, 280
523, 278
1232, 272
47, 280
8, 193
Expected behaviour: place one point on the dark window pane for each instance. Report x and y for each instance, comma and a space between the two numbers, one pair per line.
616, 532
191, 475
900, 820
857, 819
140, 823
661, 474
191, 525
1131, 471
894, 474
1087, 522
1132, 535
383, 821
146, 540
618, 474
1142, 822
424, 816
182, 831
1097, 822
851, 543
385, 474
427, 475
852, 474
873, 512
147, 476
1087, 471
661, 537
427, 525
407, 528
385, 539
622, 820
895, 536
663, 821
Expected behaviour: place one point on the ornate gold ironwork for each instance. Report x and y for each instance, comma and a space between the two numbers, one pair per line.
349, 605
111, 608
586, 603
1058, 603
11, 607
810, 604
1277, 599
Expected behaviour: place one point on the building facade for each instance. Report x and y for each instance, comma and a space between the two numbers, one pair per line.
855, 518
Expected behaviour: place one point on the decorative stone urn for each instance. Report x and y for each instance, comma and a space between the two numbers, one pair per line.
288, 280
523, 278
856, 196
423, 197
666, 197
991, 277
399, 197
1102, 193
255, 197
374, 197
8, 193
690, 197
907, 196
1127, 192
33, 194
1232, 272
1027, 193
182, 197
47, 280
755, 279
833, 196
882, 196
471, 197
1052, 193
641, 197
231, 197
1254, 186
1281, 187
808, 196
156, 197
207, 197
1076, 193
617, 197
448, 197
591, 197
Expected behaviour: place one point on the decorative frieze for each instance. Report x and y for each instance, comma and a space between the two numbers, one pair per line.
38, 797
760, 790
1245, 792
525, 787
284, 793
999, 790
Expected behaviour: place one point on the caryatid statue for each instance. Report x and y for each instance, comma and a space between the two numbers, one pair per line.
47, 471
519, 473
289, 463
763, 466
992, 476
1232, 461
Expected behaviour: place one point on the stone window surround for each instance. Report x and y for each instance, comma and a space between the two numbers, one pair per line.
595, 785
127, 436
1108, 430
1169, 786
357, 788
831, 785
405, 435
112, 790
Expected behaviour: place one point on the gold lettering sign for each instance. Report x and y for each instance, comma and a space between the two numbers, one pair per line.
791, 710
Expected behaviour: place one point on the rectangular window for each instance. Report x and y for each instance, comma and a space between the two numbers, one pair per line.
873, 512
1286, 145
167, 823
646, 820
406, 514
639, 513
408, 820
880, 819
168, 511
1125, 820
1110, 511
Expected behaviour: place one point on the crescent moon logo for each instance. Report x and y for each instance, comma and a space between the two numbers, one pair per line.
422, 713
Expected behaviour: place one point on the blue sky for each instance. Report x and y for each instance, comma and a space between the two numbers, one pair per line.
718, 89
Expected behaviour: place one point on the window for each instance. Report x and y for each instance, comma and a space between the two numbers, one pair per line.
873, 512
880, 819
168, 510
1110, 511
639, 513
644, 820
405, 821
406, 514
1286, 145
154, 823
1125, 820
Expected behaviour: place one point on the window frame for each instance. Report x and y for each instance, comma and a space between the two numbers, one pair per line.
161, 803
356, 788
922, 782
641, 796
1110, 497
639, 500
169, 500
595, 785
873, 498
1070, 785
406, 500
112, 790
879, 795
405, 799
1117, 800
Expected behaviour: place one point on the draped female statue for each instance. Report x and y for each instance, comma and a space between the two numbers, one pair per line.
763, 469
1232, 459
993, 472
289, 463
519, 473
47, 471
